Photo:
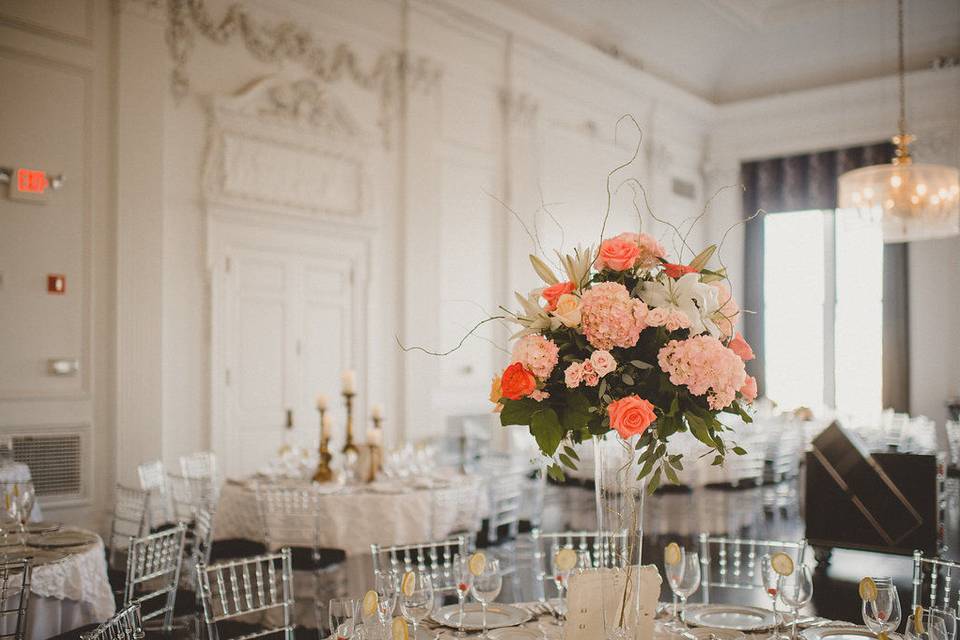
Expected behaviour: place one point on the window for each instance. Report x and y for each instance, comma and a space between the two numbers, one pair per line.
823, 311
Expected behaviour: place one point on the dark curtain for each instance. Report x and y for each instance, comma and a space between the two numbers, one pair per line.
792, 183
896, 328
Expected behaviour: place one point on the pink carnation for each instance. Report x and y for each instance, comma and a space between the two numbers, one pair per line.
610, 317
537, 354
590, 377
704, 366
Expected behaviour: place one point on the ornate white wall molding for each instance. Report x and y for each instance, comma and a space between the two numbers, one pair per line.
389, 75
289, 146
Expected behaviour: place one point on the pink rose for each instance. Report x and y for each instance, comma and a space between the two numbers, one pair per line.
631, 416
573, 375
590, 376
539, 395
749, 389
603, 363
552, 293
740, 347
618, 254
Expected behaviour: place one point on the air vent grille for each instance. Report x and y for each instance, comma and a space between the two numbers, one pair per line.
54, 461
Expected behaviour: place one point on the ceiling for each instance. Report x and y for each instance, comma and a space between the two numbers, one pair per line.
729, 50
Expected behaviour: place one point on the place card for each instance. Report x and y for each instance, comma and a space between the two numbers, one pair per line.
585, 601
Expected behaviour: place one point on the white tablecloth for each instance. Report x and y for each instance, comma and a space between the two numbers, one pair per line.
353, 518
18, 472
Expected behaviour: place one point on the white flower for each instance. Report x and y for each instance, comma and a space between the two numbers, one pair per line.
568, 310
696, 300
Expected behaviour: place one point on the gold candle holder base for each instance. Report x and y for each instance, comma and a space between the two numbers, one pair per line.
349, 447
324, 473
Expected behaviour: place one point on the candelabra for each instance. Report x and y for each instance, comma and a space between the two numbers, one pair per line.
349, 447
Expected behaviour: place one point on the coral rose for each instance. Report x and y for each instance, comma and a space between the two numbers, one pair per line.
517, 382
552, 293
631, 416
618, 254
677, 270
749, 389
740, 347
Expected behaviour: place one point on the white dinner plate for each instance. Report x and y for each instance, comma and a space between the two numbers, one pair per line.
842, 633
498, 616
705, 633
63, 538
514, 633
727, 616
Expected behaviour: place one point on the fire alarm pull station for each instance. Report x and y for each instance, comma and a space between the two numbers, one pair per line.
30, 185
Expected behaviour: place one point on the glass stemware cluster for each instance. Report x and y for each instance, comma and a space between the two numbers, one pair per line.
17, 506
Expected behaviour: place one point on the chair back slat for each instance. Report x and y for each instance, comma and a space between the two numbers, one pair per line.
125, 625
201, 464
153, 571
14, 598
240, 590
734, 563
941, 593
435, 558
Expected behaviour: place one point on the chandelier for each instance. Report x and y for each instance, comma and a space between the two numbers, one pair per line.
912, 201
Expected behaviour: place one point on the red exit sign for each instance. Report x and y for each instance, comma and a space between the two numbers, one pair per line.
32, 181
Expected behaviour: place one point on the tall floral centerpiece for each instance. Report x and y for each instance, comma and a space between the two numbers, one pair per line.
625, 348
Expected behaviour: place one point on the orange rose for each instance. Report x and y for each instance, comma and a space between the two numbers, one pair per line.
676, 270
749, 389
517, 382
631, 416
552, 293
618, 254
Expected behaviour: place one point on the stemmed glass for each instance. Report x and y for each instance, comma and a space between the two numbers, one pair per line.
674, 571
486, 587
385, 584
796, 590
343, 617
9, 513
934, 626
464, 579
882, 615
689, 580
770, 580
561, 576
25, 499
416, 597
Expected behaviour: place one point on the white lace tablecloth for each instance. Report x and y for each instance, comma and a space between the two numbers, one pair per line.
69, 593
353, 518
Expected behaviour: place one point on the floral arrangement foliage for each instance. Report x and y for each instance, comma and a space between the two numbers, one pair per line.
624, 341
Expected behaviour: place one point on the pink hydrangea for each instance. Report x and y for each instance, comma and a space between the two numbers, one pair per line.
705, 367
610, 317
537, 354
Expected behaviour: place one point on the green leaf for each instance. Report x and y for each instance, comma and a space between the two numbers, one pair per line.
699, 429
640, 364
602, 389
570, 451
627, 380
545, 427
655, 482
740, 451
565, 459
717, 461
556, 472
674, 406
518, 411
703, 257
671, 475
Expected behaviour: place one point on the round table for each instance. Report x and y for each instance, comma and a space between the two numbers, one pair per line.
69, 587
354, 517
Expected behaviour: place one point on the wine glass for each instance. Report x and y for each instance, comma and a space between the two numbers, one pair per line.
690, 578
949, 622
561, 576
674, 573
486, 587
770, 579
343, 617
25, 499
796, 590
882, 615
464, 579
9, 512
385, 584
416, 597
933, 628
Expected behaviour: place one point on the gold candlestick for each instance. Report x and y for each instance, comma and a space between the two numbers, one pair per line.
349, 447
375, 462
323, 473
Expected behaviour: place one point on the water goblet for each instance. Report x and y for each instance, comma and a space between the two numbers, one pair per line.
464, 580
770, 579
949, 621
690, 580
343, 618
486, 587
674, 571
416, 597
562, 564
932, 627
882, 615
25, 499
796, 590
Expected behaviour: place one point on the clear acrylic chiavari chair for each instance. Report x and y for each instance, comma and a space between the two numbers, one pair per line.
258, 585
130, 520
14, 598
506, 499
201, 464
735, 563
125, 625
153, 480
435, 558
942, 591
153, 572
605, 550
190, 495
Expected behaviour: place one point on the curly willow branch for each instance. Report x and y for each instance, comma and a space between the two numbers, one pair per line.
636, 184
636, 154
459, 344
703, 212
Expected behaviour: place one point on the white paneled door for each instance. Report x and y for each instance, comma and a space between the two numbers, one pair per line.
287, 333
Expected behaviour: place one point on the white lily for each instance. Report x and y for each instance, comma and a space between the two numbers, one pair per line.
577, 265
696, 300
533, 318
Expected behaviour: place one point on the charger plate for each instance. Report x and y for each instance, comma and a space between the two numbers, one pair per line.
729, 616
498, 616
843, 633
